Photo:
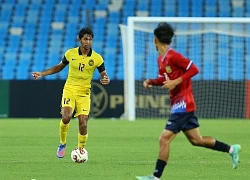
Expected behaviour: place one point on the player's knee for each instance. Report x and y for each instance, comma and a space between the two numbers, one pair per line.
164, 140
66, 118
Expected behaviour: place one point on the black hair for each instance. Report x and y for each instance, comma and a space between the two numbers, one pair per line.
164, 32
85, 30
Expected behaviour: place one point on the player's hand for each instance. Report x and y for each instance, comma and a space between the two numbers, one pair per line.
169, 84
147, 84
37, 75
105, 80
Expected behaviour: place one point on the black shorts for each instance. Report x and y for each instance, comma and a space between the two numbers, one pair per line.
182, 122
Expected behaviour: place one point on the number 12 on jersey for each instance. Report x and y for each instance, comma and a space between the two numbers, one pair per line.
81, 66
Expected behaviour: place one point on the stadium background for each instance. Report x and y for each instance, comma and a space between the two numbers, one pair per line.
36, 33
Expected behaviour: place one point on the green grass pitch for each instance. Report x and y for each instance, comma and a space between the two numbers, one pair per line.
118, 150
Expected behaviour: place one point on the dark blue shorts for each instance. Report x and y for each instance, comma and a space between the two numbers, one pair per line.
182, 122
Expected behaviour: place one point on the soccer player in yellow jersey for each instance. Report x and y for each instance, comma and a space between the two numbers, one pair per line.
82, 62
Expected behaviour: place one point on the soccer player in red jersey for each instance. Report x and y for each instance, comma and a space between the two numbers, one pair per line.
175, 73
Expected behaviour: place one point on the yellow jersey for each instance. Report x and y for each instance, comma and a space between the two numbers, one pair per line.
81, 68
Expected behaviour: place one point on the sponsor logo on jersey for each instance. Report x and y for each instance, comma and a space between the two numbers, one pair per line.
91, 62
168, 69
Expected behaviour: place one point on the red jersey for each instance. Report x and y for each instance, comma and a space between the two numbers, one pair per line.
172, 66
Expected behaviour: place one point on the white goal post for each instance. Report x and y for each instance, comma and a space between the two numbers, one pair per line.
213, 33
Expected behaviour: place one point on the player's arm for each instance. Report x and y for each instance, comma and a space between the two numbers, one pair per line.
148, 83
104, 76
55, 69
191, 71
171, 84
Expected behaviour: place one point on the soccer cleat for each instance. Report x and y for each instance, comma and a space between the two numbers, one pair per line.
61, 150
235, 155
151, 177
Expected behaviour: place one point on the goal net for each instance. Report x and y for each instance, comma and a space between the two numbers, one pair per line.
219, 47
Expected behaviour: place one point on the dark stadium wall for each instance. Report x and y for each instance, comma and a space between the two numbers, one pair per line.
42, 99
4, 99
211, 101
31, 99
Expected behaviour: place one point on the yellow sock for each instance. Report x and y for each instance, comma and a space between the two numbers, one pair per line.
82, 139
63, 132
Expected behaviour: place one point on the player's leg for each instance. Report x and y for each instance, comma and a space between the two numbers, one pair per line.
194, 137
83, 131
165, 139
64, 123
67, 104
82, 112
63, 130
192, 132
171, 130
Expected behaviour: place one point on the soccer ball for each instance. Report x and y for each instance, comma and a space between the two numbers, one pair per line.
79, 155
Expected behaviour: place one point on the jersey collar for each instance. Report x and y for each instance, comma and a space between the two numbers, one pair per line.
163, 57
80, 53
